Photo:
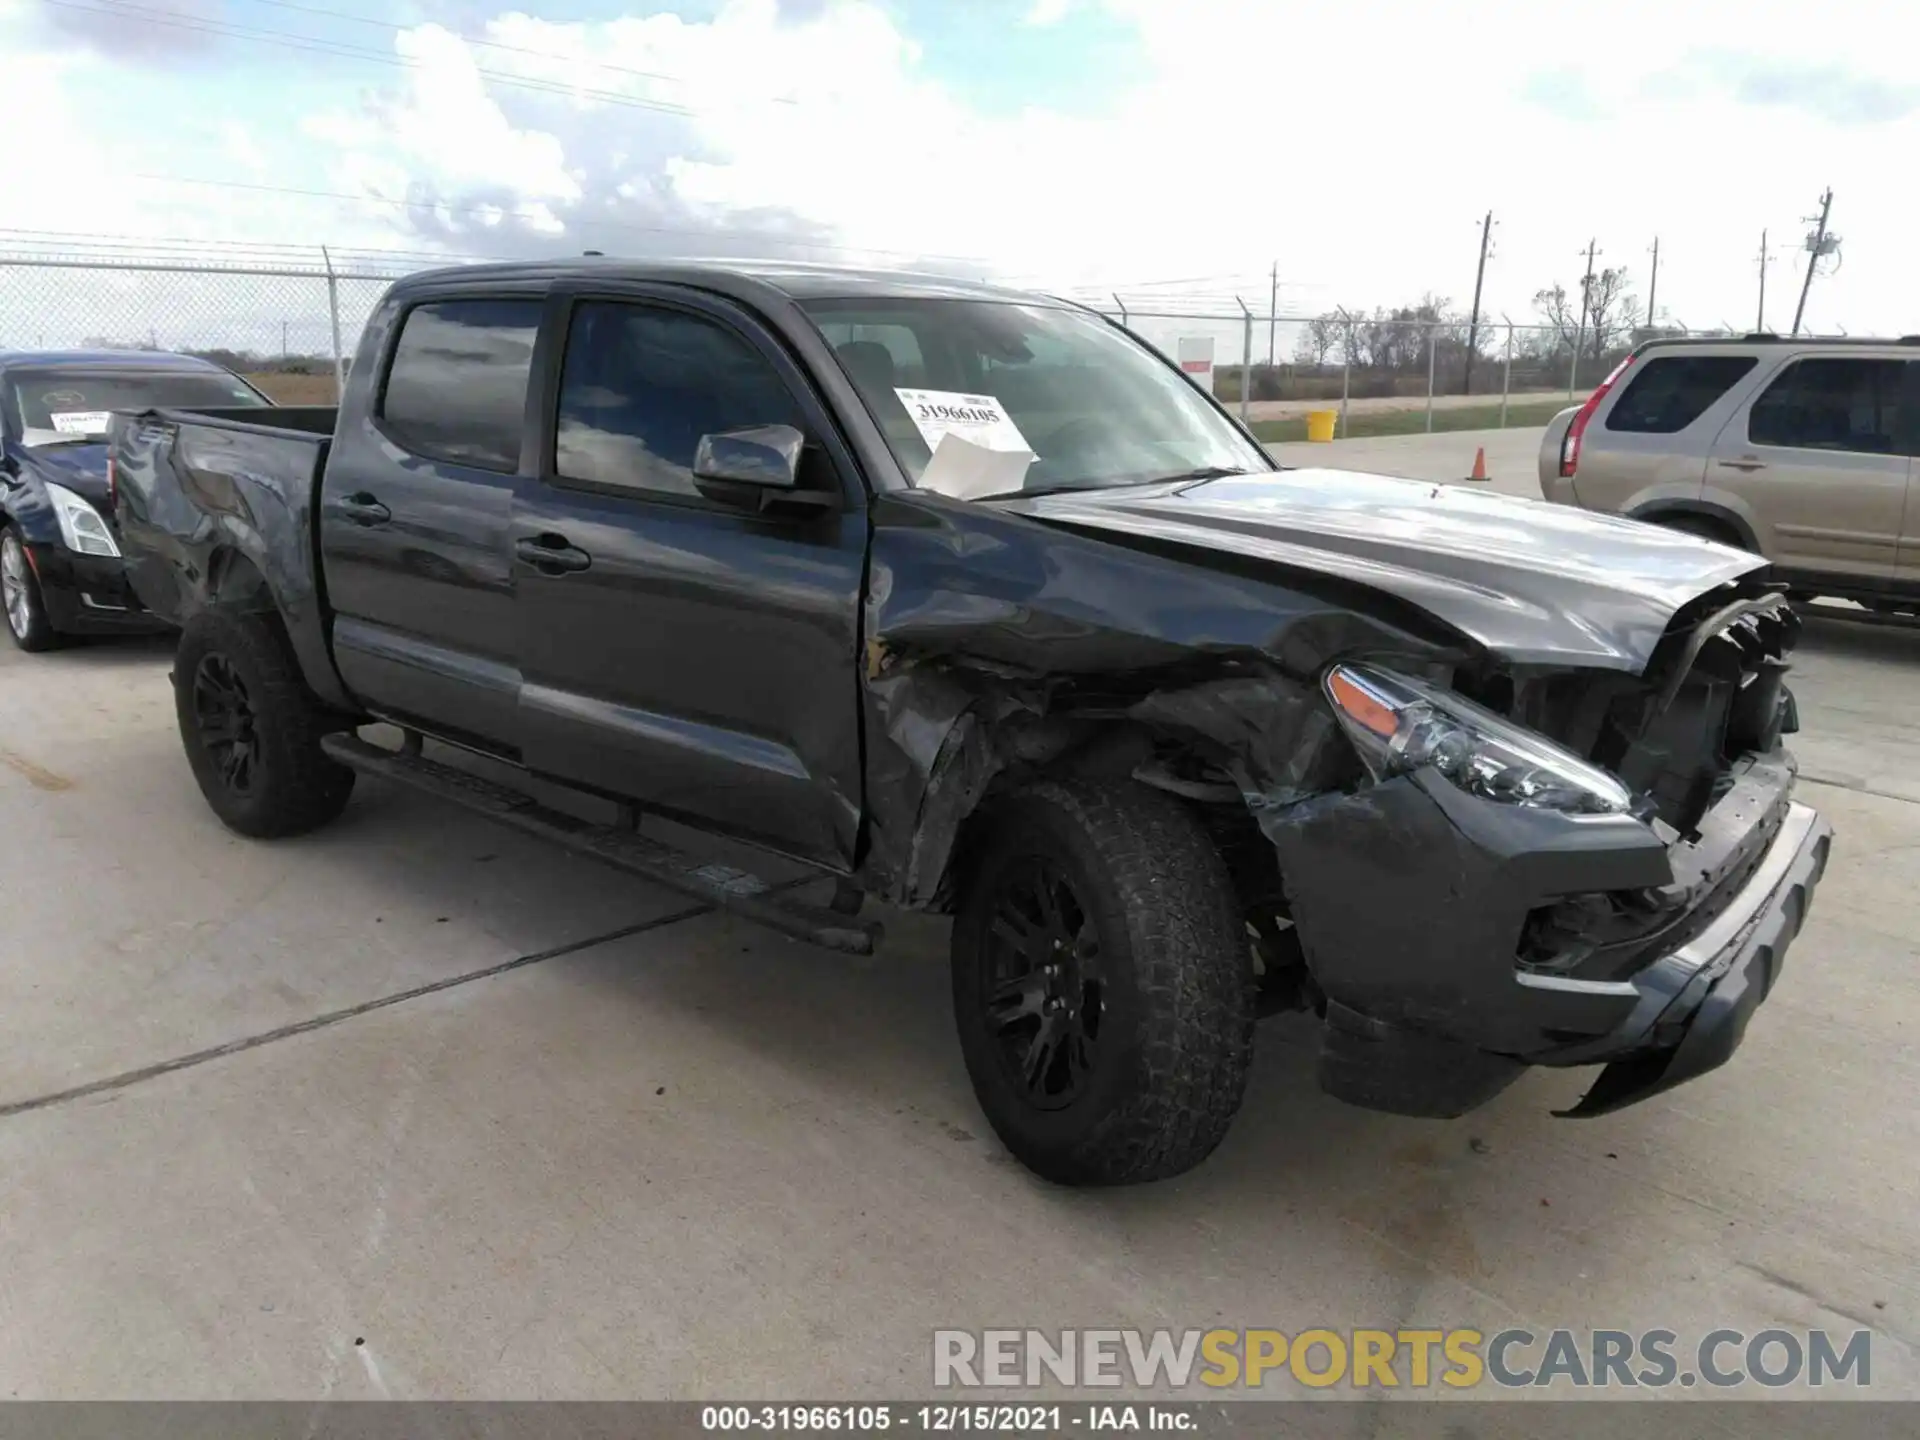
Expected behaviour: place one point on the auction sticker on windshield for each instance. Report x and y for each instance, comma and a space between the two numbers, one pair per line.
81, 422
980, 419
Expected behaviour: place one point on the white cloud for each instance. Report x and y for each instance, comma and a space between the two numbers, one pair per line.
239, 145
1356, 146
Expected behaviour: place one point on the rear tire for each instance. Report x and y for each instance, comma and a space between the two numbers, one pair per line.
21, 606
252, 729
1102, 982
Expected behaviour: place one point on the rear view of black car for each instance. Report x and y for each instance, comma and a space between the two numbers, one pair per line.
61, 571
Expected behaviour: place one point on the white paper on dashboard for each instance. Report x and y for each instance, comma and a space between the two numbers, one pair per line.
81, 422
967, 471
979, 418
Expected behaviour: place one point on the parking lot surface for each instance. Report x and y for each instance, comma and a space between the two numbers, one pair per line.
414, 1107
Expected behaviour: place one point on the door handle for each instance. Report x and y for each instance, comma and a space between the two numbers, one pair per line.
1745, 462
551, 554
363, 509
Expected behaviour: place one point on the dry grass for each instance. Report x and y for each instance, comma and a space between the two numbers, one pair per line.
285, 389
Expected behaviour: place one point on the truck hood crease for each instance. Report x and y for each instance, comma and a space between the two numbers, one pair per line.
1533, 582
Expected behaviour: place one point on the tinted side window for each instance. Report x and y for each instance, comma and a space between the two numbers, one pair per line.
1673, 391
457, 387
1830, 405
640, 386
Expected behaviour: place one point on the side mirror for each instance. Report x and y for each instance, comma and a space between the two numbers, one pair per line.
757, 468
763, 455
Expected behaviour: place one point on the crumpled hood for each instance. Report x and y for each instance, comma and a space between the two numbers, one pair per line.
81, 468
1534, 582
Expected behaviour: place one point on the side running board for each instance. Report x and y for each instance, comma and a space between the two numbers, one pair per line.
721, 886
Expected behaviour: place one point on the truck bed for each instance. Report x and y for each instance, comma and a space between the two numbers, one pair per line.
211, 502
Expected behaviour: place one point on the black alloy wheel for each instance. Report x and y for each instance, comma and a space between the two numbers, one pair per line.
227, 723
1045, 990
1103, 987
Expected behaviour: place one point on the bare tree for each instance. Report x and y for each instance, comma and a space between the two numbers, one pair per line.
1318, 340
1605, 321
1559, 313
1613, 312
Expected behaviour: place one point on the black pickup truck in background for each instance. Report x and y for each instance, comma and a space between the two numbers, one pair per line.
969, 599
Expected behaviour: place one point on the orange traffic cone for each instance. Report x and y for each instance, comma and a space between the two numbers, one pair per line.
1479, 464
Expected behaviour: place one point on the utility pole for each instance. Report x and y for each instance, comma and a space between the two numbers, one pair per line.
1473, 320
1816, 247
1653, 287
1760, 324
283, 342
1273, 310
1580, 334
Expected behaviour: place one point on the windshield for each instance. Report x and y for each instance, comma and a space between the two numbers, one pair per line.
53, 405
1094, 407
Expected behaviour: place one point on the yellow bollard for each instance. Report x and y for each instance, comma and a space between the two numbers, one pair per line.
1320, 425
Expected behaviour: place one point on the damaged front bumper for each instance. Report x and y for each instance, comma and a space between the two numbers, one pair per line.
1459, 941
1691, 1006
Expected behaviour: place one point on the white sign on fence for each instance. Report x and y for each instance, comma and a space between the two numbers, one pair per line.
1196, 358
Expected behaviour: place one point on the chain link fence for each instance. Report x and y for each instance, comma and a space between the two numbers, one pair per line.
1382, 375
292, 326
292, 329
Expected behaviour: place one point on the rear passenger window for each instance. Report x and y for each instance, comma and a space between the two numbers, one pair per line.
641, 385
457, 388
1673, 391
1822, 404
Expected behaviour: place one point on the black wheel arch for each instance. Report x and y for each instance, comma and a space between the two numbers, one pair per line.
1660, 512
235, 582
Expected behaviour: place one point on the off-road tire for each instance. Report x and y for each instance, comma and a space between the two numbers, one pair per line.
38, 634
294, 787
1176, 1034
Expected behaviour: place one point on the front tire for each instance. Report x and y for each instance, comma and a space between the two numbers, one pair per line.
1102, 983
252, 729
20, 601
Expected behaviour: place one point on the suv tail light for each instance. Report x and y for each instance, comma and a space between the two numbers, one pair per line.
1570, 447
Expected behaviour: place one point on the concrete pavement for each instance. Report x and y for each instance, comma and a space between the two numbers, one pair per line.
1512, 456
413, 1107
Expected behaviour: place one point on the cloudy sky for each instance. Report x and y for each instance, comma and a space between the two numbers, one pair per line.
1159, 147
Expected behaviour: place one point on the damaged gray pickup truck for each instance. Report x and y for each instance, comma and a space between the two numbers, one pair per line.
971, 600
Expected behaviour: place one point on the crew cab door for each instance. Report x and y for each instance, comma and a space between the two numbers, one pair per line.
693, 655
414, 509
1819, 461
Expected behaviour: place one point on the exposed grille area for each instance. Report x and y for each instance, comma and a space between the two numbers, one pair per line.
1719, 699
1712, 694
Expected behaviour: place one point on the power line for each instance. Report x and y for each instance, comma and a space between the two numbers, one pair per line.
144, 15
496, 45
499, 212
1188, 280
158, 244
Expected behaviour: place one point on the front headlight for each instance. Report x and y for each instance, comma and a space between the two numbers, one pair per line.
80, 524
1399, 724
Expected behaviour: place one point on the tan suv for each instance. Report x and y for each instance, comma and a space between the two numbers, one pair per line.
1800, 450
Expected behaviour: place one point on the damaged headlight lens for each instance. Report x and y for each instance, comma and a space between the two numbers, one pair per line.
1399, 724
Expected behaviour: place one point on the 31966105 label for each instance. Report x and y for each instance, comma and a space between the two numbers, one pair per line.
980, 419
